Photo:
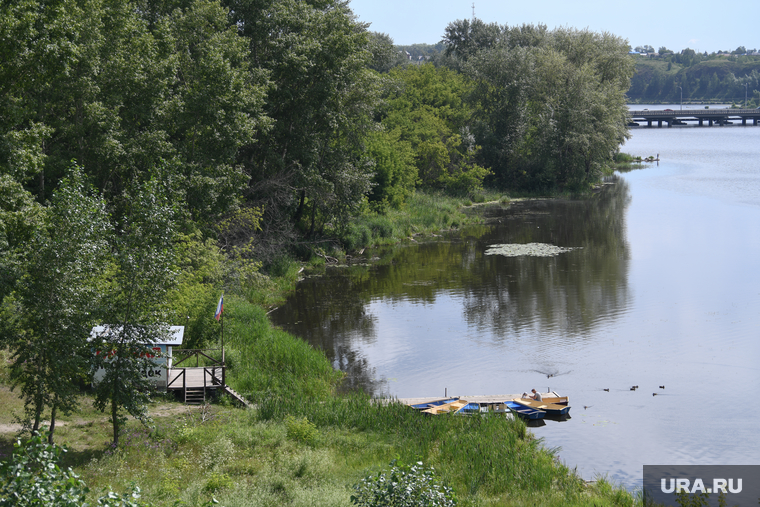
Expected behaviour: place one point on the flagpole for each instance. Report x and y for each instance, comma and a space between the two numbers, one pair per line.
222, 339
219, 315
224, 366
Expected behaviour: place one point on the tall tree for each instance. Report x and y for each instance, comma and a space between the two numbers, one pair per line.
430, 112
309, 169
52, 306
551, 105
135, 307
125, 88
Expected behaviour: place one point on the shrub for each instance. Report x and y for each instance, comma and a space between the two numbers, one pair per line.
301, 430
217, 482
32, 477
403, 486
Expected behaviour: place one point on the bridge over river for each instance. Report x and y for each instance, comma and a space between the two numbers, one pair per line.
699, 116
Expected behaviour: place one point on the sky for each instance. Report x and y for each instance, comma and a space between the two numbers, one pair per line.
675, 24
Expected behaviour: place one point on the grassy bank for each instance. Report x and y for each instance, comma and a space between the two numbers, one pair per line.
423, 213
303, 445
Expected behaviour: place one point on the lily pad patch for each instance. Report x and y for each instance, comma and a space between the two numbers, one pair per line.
529, 249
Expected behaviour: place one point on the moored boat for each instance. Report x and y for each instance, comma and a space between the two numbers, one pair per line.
529, 413
436, 403
445, 408
470, 408
550, 408
553, 397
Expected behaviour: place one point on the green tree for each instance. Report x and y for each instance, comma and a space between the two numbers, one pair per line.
430, 113
551, 105
143, 275
52, 305
385, 56
464, 38
503, 79
20, 217
309, 169
125, 88
395, 173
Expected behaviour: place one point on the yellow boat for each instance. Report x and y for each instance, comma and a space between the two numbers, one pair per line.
556, 400
446, 407
550, 408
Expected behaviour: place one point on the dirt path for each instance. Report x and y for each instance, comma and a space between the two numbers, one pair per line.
162, 410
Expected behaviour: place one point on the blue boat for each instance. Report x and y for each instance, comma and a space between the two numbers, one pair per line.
525, 412
436, 403
470, 408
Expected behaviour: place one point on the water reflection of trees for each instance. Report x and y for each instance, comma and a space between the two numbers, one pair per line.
568, 294
565, 295
330, 312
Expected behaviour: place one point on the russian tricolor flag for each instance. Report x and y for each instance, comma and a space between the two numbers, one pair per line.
219, 308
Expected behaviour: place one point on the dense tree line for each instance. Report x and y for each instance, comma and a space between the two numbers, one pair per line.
147, 145
550, 104
702, 77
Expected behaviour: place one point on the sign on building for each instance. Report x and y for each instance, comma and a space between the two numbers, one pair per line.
160, 353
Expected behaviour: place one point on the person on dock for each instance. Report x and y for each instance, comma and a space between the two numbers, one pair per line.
535, 396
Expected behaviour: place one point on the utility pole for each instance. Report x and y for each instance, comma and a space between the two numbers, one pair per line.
681, 97
473, 11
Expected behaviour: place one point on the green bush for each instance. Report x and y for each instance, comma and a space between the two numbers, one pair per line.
218, 482
403, 486
32, 477
301, 430
358, 236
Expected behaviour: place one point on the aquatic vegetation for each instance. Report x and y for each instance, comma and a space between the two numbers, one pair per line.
529, 249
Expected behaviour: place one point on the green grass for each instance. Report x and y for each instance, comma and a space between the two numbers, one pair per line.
244, 458
423, 213
264, 360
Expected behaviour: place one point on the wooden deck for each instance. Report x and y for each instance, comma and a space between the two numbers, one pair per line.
194, 382
208, 377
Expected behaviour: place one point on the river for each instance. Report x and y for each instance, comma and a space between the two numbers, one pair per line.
662, 288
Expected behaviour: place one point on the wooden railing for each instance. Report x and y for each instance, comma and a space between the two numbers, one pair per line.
212, 366
197, 353
184, 380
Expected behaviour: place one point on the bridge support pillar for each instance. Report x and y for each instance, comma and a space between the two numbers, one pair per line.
649, 123
670, 123
659, 124
744, 122
755, 122
710, 122
700, 122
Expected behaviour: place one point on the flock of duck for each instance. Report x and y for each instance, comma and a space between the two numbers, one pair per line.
633, 388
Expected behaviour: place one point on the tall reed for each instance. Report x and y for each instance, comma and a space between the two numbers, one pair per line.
263, 360
486, 454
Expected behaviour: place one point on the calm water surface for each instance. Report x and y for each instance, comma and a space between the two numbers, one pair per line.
663, 291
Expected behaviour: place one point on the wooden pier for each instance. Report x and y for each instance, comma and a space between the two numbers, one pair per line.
199, 382
486, 399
